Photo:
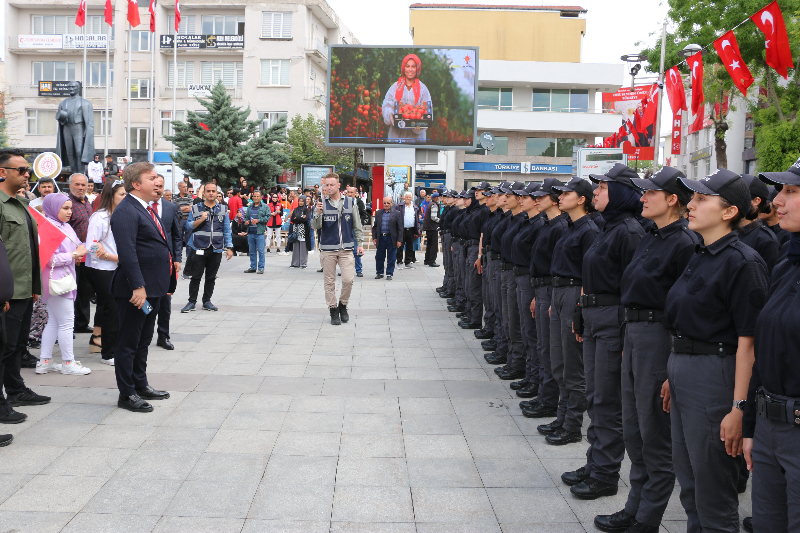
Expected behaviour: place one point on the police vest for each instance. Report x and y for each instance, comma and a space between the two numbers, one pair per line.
337, 231
209, 233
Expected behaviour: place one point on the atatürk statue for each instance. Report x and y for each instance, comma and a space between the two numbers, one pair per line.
75, 143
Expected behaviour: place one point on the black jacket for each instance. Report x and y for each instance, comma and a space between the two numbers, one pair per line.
395, 225
301, 215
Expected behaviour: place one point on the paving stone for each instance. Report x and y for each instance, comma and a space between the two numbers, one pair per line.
299, 470
454, 505
213, 499
103, 523
229, 468
443, 473
191, 524
292, 502
374, 472
70, 494
372, 504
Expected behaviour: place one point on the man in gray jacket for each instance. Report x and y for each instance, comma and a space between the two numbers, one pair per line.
430, 226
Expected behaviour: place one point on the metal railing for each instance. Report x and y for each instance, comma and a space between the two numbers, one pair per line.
319, 46
545, 110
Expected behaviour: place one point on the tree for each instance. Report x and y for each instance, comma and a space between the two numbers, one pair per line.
3, 135
306, 146
222, 143
701, 22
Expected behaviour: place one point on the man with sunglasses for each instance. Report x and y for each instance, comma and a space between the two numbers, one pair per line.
387, 235
19, 233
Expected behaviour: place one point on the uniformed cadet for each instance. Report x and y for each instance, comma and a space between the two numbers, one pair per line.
754, 232
712, 309
470, 206
459, 300
565, 350
618, 199
772, 412
473, 225
522, 246
771, 220
447, 289
659, 259
490, 319
551, 400
498, 348
515, 364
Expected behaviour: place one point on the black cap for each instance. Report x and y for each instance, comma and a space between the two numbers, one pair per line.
724, 183
666, 179
482, 186
773, 192
498, 189
513, 188
620, 173
758, 189
778, 179
579, 185
547, 187
529, 189
469, 193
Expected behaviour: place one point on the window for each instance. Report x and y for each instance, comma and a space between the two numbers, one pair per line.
274, 72
276, 25
140, 41
222, 25
139, 138
55, 25
52, 71
494, 98
500, 146
561, 100
708, 166
186, 27
268, 119
230, 72
185, 73
41, 121
140, 88
100, 125
542, 147
166, 118
97, 74
694, 171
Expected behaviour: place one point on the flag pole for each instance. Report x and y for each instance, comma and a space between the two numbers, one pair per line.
108, 81
85, 64
128, 123
657, 132
152, 143
174, 91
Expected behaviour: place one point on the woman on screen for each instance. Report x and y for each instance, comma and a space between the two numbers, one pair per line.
407, 90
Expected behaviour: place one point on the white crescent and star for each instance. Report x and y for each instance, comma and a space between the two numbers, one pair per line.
734, 65
725, 43
766, 17
696, 64
672, 76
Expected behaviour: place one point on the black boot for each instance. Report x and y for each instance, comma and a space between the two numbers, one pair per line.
591, 489
619, 521
343, 312
335, 320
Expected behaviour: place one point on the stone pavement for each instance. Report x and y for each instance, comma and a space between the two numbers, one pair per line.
280, 422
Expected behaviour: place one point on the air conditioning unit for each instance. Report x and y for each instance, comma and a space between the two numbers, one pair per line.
426, 157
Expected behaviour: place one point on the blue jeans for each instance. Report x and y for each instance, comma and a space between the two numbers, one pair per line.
358, 261
313, 242
386, 247
417, 246
256, 245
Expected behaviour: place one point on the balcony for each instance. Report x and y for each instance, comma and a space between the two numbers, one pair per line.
315, 93
183, 92
317, 51
32, 91
323, 12
551, 75
592, 123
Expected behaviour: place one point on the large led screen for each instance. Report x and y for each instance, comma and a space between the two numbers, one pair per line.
415, 96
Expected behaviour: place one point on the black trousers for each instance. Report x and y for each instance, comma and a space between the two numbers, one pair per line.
130, 361
164, 314
408, 246
83, 297
17, 325
431, 246
106, 315
207, 264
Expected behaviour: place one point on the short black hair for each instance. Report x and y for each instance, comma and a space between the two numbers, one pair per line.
47, 180
8, 153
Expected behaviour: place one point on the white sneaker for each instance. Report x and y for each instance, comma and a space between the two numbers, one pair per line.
44, 368
107, 361
311, 252
284, 253
74, 368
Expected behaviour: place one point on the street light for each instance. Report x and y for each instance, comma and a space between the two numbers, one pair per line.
690, 50
636, 60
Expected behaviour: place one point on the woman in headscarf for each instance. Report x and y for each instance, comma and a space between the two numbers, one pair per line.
60, 308
301, 215
239, 234
406, 90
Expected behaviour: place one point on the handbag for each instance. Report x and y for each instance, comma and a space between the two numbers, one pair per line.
63, 285
292, 238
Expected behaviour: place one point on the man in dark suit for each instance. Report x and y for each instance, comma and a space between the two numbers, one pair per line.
170, 216
139, 283
387, 235
409, 216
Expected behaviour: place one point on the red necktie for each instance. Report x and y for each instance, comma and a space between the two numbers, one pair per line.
152, 210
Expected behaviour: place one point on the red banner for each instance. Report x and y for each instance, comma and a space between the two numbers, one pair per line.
677, 131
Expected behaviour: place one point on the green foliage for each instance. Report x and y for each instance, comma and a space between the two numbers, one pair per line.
778, 140
306, 146
3, 134
231, 147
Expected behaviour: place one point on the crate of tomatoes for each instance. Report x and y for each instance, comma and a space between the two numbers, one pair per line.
409, 116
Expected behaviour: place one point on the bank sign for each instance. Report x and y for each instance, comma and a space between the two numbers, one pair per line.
522, 168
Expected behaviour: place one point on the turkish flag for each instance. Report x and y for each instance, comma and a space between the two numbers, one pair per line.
770, 21
80, 18
728, 50
50, 237
695, 63
177, 15
108, 12
699, 119
204, 126
133, 13
152, 10
675, 90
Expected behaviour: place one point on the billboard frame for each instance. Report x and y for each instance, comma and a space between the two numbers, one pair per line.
304, 180
402, 145
584, 151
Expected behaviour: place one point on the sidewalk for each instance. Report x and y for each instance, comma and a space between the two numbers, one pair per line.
280, 422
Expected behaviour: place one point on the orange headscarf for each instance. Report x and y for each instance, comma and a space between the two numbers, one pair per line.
398, 94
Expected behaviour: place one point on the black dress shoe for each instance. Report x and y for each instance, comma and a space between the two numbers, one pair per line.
462, 314
575, 476
619, 521
540, 411
495, 359
484, 334
518, 384
531, 391
85, 329
164, 343
470, 325
591, 489
638, 527
455, 308
563, 437
378, 276
149, 393
321, 270
490, 345
447, 295
250, 271
26, 397
511, 374
549, 429
5, 440
503, 368
434, 265
528, 404
28, 360
452, 301
440, 289
134, 403
747, 524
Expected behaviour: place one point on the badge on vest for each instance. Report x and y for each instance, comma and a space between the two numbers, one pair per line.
348, 217
219, 218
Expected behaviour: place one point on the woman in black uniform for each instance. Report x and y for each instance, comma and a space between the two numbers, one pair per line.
499, 354
773, 403
619, 201
712, 308
659, 259
755, 233
771, 220
565, 350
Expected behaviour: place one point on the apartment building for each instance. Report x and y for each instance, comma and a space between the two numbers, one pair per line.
271, 57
